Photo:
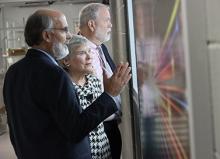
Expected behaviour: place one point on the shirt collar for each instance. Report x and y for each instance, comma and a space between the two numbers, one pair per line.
92, 45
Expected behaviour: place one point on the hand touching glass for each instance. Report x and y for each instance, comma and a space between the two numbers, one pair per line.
115, 84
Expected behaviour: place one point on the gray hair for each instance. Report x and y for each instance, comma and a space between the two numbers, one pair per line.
35, 25
76, 40
89, 12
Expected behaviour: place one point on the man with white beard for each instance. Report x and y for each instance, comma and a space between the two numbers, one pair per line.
95, 25
45, 118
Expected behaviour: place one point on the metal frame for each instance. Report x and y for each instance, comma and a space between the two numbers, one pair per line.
137, 153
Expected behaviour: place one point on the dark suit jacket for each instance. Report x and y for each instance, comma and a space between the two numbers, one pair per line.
44, 116
111, 127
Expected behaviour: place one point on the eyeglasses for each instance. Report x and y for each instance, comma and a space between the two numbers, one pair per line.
65, 29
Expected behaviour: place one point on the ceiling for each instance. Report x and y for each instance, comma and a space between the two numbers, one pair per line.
36, 3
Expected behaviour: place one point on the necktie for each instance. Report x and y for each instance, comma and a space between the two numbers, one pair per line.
101, 57
104, 64
106, 67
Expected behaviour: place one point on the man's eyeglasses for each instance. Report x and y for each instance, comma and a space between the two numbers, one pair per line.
65, 29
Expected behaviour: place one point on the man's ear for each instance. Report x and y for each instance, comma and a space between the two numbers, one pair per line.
46, 35
91, 25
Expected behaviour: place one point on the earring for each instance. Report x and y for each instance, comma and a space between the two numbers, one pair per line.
67, 65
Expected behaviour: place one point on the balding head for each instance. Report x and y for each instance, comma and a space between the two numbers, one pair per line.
53, 14
38, 22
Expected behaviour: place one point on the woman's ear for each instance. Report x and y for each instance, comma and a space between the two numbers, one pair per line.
66, 62
91, 25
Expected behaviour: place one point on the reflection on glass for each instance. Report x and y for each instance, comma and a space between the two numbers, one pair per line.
161, 76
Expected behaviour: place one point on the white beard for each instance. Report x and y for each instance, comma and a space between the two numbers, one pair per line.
107, 38
102, 38
60, 50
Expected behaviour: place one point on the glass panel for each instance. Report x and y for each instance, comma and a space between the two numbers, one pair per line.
161, 79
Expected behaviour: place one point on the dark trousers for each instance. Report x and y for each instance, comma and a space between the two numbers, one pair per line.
113, 133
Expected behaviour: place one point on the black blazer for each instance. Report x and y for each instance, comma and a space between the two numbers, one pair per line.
111, 127
44, 116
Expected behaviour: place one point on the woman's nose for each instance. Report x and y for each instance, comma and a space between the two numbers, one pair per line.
89, 54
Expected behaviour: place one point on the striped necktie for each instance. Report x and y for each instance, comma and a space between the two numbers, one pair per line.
104, 64
101, 58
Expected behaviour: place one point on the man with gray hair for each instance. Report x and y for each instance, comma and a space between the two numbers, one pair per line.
44, 115
95, 25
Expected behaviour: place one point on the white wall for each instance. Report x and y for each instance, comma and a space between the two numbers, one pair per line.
213, 34
198, 72
20, 15
214, 57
